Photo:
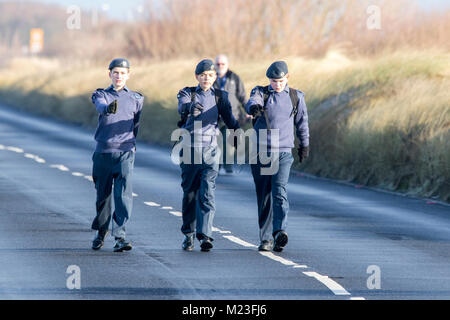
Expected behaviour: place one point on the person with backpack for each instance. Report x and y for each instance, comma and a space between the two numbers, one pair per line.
281, 108
200, 108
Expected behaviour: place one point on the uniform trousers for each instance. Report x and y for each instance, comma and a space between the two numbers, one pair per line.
112, 175
271, 194
199, 185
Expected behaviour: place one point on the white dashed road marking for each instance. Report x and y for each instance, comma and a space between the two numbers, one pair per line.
78, 174
335, 287
272, 256
59, 167
219, 230
15, 149
152, 204
34, 157
240, 241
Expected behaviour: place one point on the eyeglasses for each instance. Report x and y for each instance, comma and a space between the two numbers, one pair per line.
220, 64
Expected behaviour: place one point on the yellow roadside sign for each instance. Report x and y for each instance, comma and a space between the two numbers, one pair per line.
36, 40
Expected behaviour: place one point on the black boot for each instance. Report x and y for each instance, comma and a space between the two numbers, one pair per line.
281, 239
99, 239
188, 243
206, 245
122, 245
265, 245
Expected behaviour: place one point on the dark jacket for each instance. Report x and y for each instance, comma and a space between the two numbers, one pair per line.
208, 119
236, 93
280, 115
117, 132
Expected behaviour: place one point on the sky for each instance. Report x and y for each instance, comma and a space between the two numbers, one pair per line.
130, 9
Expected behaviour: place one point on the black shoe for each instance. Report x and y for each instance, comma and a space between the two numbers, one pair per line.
122, 245
188, 243
99, 239
281, 239
265, 245
206, 245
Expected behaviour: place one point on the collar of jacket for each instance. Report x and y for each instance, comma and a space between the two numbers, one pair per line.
286, 89
111, 88
227, 75
199, 89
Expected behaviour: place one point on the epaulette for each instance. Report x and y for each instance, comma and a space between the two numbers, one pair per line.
138, 95
257, 88
96, 94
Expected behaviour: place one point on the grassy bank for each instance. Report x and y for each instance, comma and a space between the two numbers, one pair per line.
381, 121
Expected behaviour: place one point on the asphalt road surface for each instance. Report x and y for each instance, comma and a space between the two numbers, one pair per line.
345, 241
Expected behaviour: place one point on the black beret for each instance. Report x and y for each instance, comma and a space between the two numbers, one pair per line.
277, 70
205, 65
119, 62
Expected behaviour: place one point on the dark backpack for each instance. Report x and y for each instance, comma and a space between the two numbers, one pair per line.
185, 114
292, 94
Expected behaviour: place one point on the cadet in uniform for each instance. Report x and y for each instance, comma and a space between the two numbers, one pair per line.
277, 107
230, 82
203, 104
119, 111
